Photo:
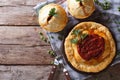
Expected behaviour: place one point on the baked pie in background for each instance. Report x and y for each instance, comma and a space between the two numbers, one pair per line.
80, 8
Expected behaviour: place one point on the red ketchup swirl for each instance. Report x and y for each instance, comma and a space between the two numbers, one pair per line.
91, 47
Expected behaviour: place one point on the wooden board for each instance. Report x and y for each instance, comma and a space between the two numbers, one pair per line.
19, 2
20, 15
24, 72
22, 45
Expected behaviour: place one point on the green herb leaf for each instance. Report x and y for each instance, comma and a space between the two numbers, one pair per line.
60, 38
52, 37
41, 33
96, 79
52, 12
52, 62
119, 29
83, 36
79, 0
75, 41
117, 22
51, 52
119, 8
76, 32
43, 38
105, 5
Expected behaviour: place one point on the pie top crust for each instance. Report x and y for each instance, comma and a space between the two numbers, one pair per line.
81, 10
55, 23
93, 64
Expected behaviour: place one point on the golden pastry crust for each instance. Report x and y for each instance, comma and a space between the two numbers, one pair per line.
93, 65
81, 11
57, 22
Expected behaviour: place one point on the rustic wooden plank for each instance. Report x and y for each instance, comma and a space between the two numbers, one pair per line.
20, 15
19, 2
24, 72
22, 45
28, 36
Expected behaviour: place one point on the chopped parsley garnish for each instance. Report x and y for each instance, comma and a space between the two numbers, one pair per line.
83, 36
75, 41
51, 52
52, 37
119, 29
60, 38
105, 5
52, 12
52, 62
119, 8
76, 32
43, 38
118, 52
79, 0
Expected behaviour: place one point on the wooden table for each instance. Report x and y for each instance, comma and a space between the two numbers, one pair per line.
23, 56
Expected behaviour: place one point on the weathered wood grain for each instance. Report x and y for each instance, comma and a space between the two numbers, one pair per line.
28, 36
23, 46
19, 2
21, 15
24, 72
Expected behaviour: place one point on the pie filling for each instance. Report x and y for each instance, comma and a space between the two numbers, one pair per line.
91, 47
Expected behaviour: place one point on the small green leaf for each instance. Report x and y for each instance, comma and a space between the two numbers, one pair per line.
119, 29
60, 38
83, 36
96, 79
118, 52
42, 37
75, 41
119, 8
51, 52
40, 33
52, 12
76, 32
79, 0
52, 37
104, 5
52, 62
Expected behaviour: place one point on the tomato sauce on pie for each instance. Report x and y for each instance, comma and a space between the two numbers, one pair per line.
91, 47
